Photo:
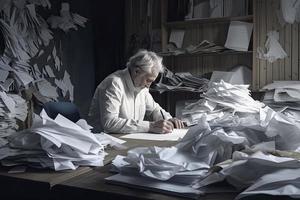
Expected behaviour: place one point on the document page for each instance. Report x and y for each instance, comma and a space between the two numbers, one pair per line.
173, 136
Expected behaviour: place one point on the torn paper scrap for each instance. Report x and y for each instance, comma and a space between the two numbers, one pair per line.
274, 49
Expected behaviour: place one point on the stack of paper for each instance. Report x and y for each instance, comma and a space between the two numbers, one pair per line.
220, 101
12, 107
236, 97
282, 91
265, 142
66, 20
191, 113
57, 144
284, 96
204, 47
180, 82
254, 137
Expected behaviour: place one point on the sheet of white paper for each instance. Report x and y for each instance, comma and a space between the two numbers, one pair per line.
49, 71
24, 77
69, 85
154, 185
176, 37
239, 34
289, 10
174, 136
217, 76
8, 101
115, 139
3, 75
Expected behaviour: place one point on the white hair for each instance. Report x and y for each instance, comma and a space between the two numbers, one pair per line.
148, 61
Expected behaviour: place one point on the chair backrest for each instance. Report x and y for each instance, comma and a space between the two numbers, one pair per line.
67, 109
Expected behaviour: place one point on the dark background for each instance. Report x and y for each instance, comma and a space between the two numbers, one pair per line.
89, 54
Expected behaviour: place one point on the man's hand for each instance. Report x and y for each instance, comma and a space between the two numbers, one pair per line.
177, 123
161, 126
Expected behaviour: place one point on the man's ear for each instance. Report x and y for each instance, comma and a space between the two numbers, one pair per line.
137, 70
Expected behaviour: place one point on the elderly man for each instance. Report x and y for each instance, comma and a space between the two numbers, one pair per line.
122, 100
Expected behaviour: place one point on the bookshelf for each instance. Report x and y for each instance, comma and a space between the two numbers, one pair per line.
196, 30
262, 13
211, 29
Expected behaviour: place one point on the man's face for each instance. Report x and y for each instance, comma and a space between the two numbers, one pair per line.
143, 79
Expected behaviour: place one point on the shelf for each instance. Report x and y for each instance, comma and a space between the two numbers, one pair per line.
230, 52
207, 20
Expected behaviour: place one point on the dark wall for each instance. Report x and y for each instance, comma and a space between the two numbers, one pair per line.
79, 57
89, 54
108, 23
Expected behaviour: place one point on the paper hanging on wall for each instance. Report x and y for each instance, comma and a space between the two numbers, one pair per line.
274, 49
176, 37
290, 10
239, 35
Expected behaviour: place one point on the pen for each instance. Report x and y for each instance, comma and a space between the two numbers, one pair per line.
162, 114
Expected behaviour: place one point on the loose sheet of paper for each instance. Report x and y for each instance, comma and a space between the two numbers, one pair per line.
174, 136
239, 34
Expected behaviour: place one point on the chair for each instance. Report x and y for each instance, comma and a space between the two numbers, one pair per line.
67, 109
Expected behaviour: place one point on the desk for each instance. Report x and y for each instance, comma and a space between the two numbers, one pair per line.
92, 183
132, 143
34, 184
87, 183
37, 184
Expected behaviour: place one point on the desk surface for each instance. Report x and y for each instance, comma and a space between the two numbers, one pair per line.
86, 182
35, 184
92, 184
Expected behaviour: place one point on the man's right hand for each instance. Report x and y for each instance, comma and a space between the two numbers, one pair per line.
161, 126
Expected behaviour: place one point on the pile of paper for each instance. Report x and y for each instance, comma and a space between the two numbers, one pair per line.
236, 97
250, 149
57, 144
284, 96
12, 108
25, 33
204, 46
180, 82
66, 20
221, 101
281, 92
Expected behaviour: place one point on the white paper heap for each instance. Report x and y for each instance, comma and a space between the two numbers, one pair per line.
12, 107
58, 144
250, 150
66, 20
236, 97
